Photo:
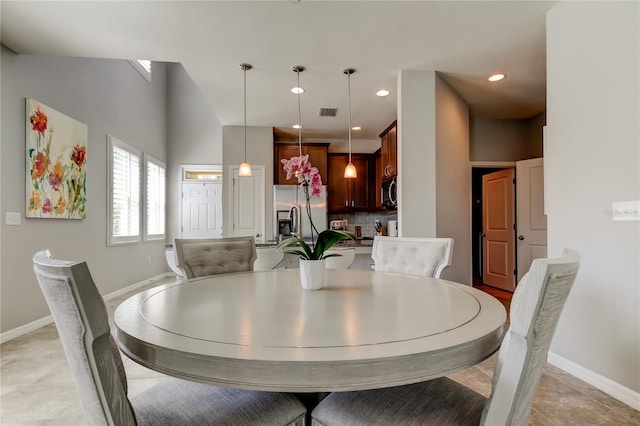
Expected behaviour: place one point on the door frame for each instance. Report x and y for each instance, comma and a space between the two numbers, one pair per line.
485, 165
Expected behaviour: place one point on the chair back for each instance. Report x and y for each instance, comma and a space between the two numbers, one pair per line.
344, 261
81, 318
535, 310
213, 256
267, 258
425, 257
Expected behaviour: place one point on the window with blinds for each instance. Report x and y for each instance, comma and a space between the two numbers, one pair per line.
155, 198
124, 193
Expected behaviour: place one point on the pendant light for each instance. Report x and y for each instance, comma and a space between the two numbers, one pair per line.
245, 168
350, 171
298, 69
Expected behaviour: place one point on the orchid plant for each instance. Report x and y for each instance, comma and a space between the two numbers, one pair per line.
309, 179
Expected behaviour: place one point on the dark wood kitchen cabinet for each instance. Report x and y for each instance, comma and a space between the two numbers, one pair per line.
389, 149
349, 195
317, 157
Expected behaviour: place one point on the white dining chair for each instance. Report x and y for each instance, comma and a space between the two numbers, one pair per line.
267, 258
81, 319
343, 261
535, 310
425, 257
203, 257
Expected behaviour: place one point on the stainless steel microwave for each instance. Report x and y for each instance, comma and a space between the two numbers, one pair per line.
389, 194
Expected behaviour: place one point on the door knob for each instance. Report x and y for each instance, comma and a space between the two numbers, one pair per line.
521, 237
257, 235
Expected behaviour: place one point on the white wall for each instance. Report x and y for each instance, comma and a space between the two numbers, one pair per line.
592, 157
453, 179
194, 136
259, 152
110, 97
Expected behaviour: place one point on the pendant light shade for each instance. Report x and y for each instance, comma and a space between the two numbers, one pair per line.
245, 167
350, 171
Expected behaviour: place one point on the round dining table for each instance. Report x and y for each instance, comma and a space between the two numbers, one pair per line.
262, 331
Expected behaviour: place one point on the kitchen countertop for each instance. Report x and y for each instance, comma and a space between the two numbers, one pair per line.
362, 246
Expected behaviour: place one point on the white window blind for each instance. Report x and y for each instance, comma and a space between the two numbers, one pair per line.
155, 199
124, 193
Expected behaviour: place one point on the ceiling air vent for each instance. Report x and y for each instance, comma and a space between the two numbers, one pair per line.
328, 112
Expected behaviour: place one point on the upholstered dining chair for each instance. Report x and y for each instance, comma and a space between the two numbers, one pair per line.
213, 256
344, 261
425, 257
267, 258
81, 318
535, 310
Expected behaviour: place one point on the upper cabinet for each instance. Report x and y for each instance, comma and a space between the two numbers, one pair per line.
349, 195
317, 157
389, 148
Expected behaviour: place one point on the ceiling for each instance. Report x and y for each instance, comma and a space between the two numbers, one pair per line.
464, 41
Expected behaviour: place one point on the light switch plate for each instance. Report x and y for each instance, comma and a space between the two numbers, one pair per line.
12, 218
626, 211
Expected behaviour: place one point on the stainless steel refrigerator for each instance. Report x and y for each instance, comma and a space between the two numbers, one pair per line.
287, 196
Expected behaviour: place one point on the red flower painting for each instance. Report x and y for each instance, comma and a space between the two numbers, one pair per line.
57, 175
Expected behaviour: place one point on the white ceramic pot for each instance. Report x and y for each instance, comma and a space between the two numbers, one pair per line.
312, 274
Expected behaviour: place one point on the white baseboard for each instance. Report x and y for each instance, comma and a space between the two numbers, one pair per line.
608, 386
39, 323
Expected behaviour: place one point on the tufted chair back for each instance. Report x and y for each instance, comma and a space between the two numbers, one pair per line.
203, 257
425, 257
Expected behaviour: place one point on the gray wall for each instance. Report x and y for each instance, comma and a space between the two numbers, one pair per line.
434, 170
110, 97
194, 137
416, 154
453, 179
506, 140
259, 153
592, 160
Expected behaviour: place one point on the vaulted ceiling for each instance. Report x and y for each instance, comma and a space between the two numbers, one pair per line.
465, 41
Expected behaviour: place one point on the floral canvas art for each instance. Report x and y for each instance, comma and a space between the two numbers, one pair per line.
56, 168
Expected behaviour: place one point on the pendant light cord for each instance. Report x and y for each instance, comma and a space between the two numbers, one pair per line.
298, 69
245, 113
349, 98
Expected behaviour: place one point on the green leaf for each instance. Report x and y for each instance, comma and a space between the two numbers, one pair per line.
328, 239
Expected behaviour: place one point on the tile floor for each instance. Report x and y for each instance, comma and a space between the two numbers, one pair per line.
36, 387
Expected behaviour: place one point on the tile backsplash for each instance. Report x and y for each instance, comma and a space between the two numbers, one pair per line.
365, 220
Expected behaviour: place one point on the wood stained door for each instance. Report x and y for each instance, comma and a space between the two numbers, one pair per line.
498, 227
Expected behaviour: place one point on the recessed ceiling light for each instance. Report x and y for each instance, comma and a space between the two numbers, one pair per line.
497, 77
297, 126
356, 128
382, 92
297, 90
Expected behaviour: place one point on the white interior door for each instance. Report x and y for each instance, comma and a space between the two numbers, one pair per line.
531, 220
247, 203
201, 210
